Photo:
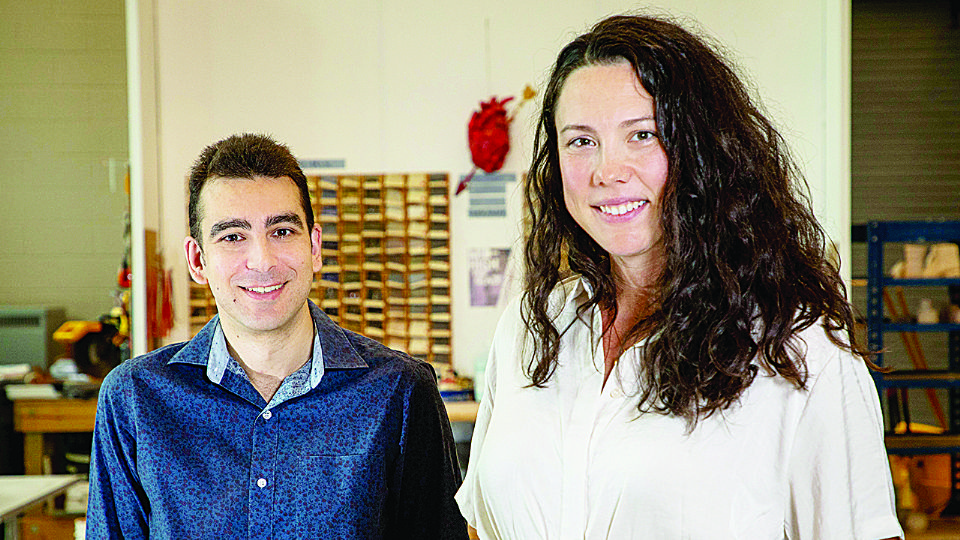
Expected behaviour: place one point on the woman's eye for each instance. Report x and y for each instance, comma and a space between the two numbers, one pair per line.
579, 142
644, 135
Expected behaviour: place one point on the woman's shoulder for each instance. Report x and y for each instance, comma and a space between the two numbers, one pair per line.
560, 298
513, 337
818, 356
822, 356
511, 316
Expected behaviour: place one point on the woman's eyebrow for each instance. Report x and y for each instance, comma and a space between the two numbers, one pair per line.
631, 121
576, 127
626, 123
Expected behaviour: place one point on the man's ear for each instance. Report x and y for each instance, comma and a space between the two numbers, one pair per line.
316, 247
194, 260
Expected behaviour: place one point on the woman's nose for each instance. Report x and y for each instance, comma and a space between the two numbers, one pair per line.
612, 167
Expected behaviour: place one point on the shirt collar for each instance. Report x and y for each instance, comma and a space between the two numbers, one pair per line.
219, 359
576, 290
335, 349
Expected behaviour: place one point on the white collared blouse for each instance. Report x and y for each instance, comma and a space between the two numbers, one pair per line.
574, 461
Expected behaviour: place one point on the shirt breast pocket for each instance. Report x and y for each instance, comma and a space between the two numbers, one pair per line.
341, 496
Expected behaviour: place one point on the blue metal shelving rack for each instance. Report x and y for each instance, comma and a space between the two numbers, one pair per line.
879, 233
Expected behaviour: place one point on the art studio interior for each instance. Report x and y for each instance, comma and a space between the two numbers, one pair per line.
106, 103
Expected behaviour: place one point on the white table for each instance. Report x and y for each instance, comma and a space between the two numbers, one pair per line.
20, 493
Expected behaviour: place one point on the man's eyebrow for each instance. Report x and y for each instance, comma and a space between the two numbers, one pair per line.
221, 226
290, 217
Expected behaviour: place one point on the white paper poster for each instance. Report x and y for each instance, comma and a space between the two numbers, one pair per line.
487, 267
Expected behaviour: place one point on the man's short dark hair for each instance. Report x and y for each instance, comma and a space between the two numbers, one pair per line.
244, 156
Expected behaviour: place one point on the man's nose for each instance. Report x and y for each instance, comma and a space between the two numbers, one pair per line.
260, 255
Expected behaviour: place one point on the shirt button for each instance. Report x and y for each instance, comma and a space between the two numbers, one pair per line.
262, 483
267, 414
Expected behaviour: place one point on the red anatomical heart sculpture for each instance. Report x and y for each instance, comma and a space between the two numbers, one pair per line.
489, 135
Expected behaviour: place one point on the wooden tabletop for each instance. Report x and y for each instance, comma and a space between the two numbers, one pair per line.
54, 415
18, 493
37, 417
77, 415
462, 411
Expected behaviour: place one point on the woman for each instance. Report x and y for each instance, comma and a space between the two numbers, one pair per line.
682, 362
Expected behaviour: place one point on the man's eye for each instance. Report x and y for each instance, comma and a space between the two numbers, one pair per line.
283, 233
231, 238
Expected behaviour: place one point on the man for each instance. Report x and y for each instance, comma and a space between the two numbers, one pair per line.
273, 422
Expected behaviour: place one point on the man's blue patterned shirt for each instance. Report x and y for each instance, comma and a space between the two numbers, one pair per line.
355, 444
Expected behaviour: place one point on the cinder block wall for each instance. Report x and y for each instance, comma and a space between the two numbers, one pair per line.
63, 116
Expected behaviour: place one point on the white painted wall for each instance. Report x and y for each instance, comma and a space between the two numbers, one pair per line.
389, 85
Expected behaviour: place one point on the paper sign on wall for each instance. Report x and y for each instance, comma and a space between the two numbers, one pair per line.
487, 267
488, 194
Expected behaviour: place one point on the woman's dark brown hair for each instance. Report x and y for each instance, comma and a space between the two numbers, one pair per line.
745, 267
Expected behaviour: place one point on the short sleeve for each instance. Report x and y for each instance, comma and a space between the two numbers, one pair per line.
839, 474
430, 475
470, 497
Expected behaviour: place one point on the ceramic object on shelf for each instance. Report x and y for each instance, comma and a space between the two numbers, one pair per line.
942, 261
926, 314
913, 259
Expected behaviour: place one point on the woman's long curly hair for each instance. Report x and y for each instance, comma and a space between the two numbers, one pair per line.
745, 266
